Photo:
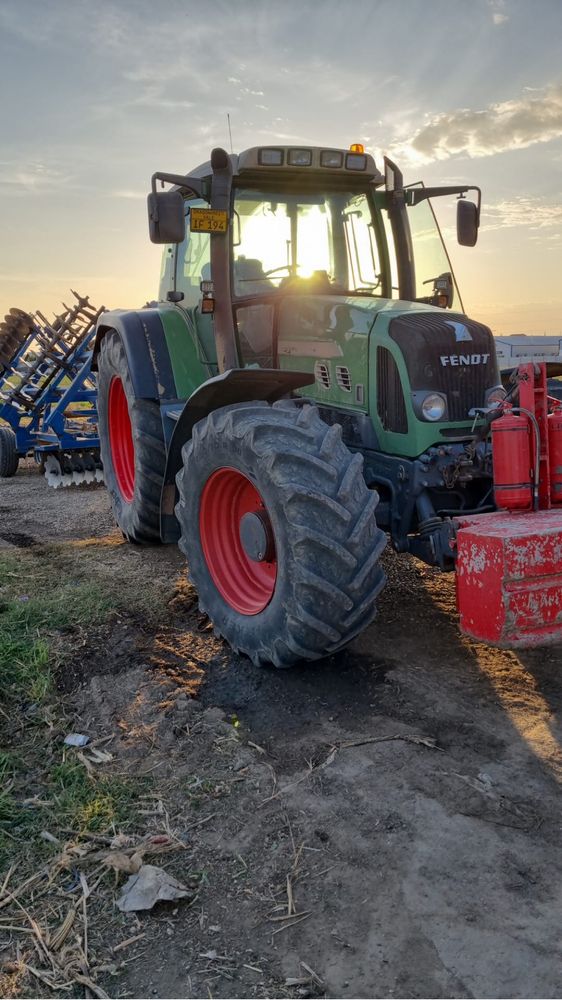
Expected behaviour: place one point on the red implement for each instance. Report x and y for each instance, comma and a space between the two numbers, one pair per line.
509, 577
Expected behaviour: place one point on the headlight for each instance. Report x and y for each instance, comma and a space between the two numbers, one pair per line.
299, 157
433, 406
331, 158
270, 157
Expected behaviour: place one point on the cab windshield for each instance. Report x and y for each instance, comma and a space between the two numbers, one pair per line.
315, 241
430, 255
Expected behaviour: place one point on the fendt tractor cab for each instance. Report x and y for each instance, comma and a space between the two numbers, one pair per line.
304, 388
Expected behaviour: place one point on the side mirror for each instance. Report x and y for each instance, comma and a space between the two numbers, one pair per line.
166, 217
467, 222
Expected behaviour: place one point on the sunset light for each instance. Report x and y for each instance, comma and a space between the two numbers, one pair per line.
478, 100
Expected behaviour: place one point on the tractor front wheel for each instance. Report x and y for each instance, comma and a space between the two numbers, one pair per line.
131, 444
9, 458
279, 531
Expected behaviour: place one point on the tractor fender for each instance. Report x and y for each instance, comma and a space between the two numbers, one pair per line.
237, 385
144, 342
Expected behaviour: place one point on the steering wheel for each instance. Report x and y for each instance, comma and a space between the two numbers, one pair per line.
274, 270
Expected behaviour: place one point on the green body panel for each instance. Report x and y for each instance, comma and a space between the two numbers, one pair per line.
331, 331
187, 354
319, 334
204, 325
334, 331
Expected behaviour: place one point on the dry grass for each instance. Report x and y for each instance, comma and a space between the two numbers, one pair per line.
62, 808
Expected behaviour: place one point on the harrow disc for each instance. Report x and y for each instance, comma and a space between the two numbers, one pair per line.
73, 468
14, 331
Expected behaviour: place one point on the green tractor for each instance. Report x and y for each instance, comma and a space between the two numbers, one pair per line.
301, 391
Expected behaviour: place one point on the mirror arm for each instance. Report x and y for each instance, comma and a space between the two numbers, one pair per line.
415, 195
181, 181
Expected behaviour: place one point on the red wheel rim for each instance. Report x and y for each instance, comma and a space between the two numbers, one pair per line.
121, 439
246, 585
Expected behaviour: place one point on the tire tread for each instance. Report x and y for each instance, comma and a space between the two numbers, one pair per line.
140, 520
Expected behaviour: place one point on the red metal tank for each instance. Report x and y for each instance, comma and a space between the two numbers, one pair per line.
555, 455
511, 455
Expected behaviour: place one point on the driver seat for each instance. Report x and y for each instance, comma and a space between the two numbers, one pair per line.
250, 278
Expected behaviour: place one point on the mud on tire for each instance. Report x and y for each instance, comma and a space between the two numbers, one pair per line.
9, 459
137, 514
327, 543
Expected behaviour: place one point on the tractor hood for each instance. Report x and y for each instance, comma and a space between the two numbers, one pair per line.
382, 357
327, 322
334, 318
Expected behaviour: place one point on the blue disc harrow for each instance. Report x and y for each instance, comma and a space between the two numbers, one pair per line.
48, 393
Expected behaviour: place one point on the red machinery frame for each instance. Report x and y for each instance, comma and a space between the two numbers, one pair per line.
509, 563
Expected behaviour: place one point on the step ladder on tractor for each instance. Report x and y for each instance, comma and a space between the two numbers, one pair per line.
48, 395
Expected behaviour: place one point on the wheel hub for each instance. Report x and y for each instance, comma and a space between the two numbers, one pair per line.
257, 537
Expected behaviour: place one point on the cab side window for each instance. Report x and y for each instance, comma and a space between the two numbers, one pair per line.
193, 263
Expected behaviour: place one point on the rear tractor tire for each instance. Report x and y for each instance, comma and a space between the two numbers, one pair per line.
279, 531
9, 458
132, 446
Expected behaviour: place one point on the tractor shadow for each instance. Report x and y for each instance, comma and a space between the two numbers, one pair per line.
411, 668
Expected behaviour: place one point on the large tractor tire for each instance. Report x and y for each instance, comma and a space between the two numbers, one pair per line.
9, 458
131, 444
279, 531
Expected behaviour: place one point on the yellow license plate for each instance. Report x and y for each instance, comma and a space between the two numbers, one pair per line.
208, 220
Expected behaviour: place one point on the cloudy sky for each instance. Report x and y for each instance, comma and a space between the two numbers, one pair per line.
95, 97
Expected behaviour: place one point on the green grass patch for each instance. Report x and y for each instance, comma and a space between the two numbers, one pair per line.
95, 803
68, 798
48, 597
35, 601
59, 604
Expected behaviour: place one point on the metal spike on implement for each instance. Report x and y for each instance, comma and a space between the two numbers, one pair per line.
48, 391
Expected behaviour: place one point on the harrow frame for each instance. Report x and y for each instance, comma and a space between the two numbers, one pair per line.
48, 395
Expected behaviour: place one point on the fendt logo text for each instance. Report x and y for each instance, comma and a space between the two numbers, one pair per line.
463, 359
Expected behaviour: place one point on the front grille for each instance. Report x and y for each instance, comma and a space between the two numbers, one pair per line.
391, 407
449, 354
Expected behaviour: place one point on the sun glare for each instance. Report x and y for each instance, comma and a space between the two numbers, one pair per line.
265, 236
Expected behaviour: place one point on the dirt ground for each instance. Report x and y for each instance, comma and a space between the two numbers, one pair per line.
401, 799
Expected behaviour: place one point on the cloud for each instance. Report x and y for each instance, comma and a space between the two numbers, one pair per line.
129, 193
534, 213
534, 117
154, 97
537, 215
498, 15
35, 177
